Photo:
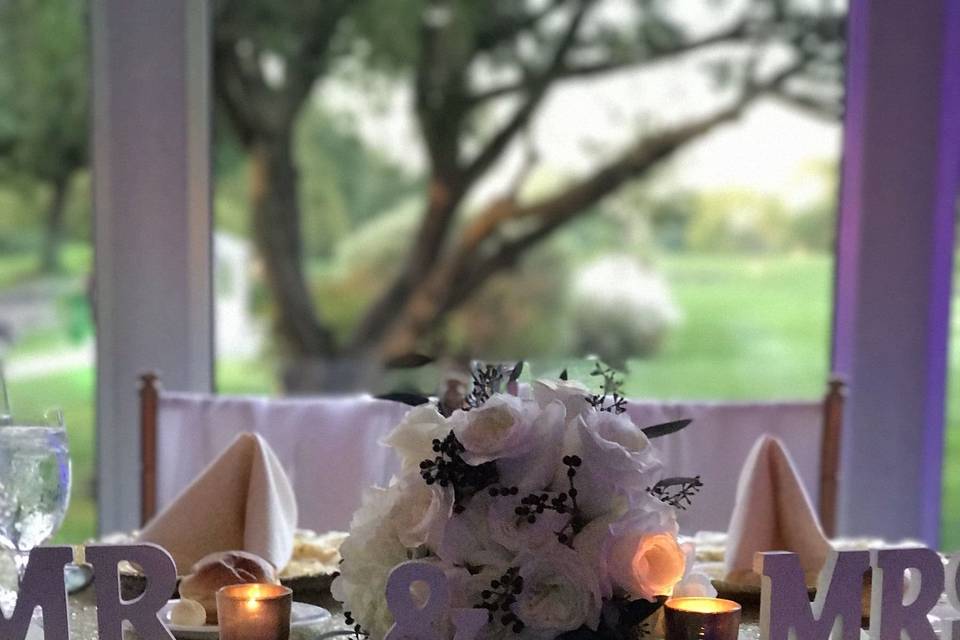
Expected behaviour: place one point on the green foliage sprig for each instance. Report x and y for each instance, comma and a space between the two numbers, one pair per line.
611, 396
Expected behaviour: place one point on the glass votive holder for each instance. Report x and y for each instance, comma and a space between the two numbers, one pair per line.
701, 619
254, 612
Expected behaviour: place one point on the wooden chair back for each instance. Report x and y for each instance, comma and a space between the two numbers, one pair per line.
830, 449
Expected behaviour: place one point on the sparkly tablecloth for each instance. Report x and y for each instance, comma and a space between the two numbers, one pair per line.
83, 623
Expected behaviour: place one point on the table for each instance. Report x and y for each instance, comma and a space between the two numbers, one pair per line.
83, 623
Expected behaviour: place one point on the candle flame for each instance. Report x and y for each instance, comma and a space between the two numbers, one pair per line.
703, 605
252, 596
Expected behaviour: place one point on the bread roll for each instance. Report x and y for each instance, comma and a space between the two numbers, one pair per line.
220, 570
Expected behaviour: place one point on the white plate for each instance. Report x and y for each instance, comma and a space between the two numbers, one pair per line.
301, 615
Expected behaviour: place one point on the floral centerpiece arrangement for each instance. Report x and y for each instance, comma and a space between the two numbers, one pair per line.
545, 506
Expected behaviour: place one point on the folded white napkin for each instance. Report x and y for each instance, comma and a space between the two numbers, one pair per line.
772, 513
242, 501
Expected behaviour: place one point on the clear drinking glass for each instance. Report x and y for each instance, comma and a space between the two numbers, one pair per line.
34, 486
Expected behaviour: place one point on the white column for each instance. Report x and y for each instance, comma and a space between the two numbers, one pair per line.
151, 155
894, 256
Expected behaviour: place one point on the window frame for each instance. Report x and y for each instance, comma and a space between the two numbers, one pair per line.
154, 308
152, 210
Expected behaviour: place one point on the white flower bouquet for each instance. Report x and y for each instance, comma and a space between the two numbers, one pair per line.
546, 508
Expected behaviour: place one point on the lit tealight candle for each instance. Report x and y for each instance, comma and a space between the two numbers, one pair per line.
254, 612
701, 619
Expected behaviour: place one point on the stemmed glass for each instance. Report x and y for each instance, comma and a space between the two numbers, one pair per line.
34, 485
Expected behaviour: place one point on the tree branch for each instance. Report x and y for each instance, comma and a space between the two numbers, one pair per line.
252, 104
503, 30
474, 266
238, 92
536, 92
829, 110
311, 58
733, 33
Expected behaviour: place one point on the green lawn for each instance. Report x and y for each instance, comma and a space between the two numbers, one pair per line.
753, 328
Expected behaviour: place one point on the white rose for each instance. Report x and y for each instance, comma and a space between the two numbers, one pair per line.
468, 540
370, 552
420, 512
560, 591
593, 544
573, 395
618, 460
515, 533
413, 438
498, 428
694, 583
534, 470
645, 559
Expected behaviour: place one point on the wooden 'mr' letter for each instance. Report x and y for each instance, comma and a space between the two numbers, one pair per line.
890, 617
42, 587
112, 610
785, 607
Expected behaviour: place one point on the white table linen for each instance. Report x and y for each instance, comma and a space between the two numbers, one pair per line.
716, 446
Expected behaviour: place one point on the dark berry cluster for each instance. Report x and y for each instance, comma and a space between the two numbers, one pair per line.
501, 596
496, 492
449, 469
358, 631
565, 502
676, 492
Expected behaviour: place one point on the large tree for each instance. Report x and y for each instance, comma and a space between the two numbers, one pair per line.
43, 103
480, 73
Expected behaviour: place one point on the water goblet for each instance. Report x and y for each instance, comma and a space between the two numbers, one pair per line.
34, 487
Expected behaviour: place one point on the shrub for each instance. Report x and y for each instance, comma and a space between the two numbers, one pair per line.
620, 309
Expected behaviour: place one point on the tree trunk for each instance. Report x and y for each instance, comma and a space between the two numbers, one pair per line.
425, 253
276, 221
53, 234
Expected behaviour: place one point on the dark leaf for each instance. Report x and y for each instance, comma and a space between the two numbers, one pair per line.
665, 429
412, 399
583, 633
677, 492
673, 482
635, 612
409, 361
517, 371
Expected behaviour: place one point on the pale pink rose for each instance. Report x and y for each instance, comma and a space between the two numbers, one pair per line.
593, 544
618, 462
497, 429
534, 470
517, 534
645, 563
468, 540
573, 395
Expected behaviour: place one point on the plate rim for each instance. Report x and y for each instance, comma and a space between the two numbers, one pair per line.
319, 614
